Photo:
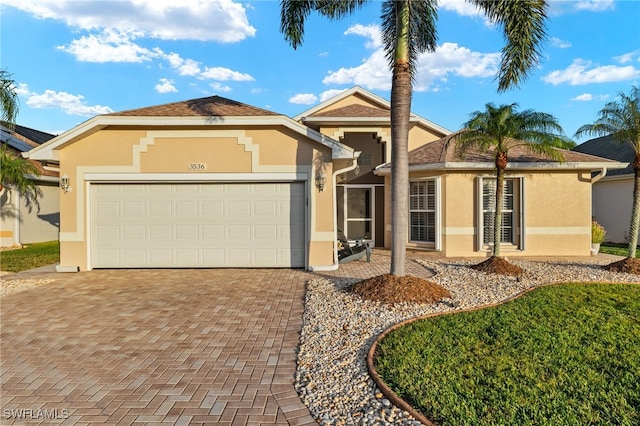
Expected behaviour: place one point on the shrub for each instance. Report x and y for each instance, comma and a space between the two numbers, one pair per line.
597, 233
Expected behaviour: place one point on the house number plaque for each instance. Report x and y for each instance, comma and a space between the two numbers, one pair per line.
197, 166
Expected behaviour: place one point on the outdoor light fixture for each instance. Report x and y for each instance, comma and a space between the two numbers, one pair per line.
320, 182
64, 183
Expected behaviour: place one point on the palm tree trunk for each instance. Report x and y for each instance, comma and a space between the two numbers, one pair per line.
497, 220
635, 211
400, 111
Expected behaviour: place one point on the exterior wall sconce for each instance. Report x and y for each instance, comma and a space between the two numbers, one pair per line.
64, 183
320, 182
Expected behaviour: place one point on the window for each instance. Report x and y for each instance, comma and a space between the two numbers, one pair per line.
422, 211
510, 211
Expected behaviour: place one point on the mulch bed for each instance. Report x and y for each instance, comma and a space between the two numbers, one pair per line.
391, 289
498, 265
630, 265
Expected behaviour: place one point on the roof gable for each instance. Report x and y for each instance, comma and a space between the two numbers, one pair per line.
211, 112
357, 105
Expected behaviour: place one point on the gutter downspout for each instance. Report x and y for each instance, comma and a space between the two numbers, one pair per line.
596, 178
336, 263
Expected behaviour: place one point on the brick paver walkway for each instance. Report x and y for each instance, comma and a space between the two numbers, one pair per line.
144, 346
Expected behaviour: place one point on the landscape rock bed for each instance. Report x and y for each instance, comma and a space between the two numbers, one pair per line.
339, 327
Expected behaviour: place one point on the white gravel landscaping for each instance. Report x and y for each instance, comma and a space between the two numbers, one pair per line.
338, 329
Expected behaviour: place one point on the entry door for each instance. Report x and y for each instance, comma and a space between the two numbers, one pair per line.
359, 212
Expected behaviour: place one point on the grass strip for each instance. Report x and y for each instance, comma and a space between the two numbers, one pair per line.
30, 256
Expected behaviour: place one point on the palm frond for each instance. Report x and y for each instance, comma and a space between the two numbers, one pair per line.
293, 14
523, 23
9, 102
620, 119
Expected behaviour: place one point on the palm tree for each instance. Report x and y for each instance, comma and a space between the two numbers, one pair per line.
498, 129
621, 120
14, 170
8, 100
408, 29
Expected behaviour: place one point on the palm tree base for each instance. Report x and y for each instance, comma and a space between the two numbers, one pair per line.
391, 289
498, 265
629, 265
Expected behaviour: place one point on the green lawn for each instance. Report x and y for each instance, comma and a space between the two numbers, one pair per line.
561, 355
617, 249
30, 256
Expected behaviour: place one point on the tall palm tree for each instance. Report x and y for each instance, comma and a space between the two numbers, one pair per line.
408, 29
621, 120
14, 170
498, 129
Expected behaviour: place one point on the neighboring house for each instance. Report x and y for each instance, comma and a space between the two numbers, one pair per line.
38, 222
212, 182
613, 194
546, 212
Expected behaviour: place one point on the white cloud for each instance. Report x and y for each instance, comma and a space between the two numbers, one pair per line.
183, 66
448, 59
461, 7
328, 94
582, 72
594, 5
224, 74
587, 97
371, 32
108, 46
628, 57
561, 44
220, 87
304, 99
70, 104
165, 86
206, 20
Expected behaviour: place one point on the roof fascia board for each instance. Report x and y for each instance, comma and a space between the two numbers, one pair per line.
382, 171
48, 150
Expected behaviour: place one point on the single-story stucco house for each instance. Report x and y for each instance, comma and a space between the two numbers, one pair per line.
212, 182
612, 197
36, 221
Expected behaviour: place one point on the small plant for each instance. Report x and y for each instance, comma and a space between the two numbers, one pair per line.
597, 233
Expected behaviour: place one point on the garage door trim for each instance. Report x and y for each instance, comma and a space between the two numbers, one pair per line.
201, 178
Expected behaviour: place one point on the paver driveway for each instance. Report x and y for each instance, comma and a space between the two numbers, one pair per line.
199, 346
179, 346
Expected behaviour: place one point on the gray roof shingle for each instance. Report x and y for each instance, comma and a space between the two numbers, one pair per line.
607, 147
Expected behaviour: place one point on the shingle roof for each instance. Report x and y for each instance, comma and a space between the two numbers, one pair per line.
354, 110
212, 106
443, 151
608, 148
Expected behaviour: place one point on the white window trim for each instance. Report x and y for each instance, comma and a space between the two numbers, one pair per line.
438, 212
519, 229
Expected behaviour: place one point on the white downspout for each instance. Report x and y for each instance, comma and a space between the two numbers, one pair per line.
596, 178
336, 263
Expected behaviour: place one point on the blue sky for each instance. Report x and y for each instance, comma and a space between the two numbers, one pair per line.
76, 59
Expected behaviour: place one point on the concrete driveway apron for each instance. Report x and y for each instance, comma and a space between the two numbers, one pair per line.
144, 346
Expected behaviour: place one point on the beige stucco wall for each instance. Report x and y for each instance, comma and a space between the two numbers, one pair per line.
557, 214
612, 202
228, 150
20, 224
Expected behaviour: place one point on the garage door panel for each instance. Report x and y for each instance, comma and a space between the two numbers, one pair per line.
198, 225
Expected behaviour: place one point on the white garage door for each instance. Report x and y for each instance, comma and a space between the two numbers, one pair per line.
197, 225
